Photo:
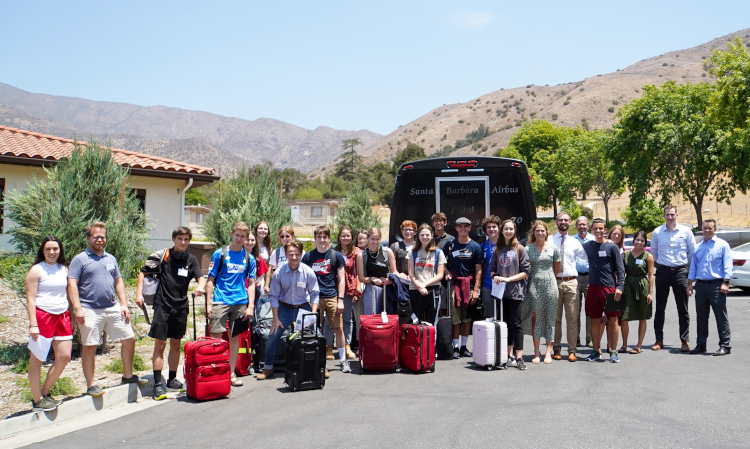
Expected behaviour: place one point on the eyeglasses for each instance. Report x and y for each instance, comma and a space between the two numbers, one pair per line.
98, 237
285, 236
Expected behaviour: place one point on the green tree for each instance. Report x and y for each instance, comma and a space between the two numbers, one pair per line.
730, 104
587, 152
81, 189
643, 214
308, 193
350, 152
379, 179
195, 196
412, 152
356, 211
665, 144
539, 143
250, 199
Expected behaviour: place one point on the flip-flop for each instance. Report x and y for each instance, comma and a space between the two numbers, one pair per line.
623, 350
635, 351
547, 358
535, 360
236, 382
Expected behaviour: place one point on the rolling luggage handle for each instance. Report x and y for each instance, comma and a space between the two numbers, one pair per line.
306, 333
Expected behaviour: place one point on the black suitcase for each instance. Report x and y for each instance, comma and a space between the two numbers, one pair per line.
305, 360
444, 330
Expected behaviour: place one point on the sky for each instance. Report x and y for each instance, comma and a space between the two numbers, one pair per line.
343, 64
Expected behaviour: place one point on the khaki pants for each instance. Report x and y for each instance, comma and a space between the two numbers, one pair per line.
583, 285
567, 299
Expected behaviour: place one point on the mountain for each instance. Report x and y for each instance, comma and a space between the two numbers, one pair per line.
592, 102
253, 140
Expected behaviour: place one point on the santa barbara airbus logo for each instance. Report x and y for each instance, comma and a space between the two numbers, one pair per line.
506, 189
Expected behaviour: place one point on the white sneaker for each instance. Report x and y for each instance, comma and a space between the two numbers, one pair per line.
512, 362
345, 367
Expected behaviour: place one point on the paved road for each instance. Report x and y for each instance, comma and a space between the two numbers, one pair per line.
654, 399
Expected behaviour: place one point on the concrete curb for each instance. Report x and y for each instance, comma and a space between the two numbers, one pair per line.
113, 397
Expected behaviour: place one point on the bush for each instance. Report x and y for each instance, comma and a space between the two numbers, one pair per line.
611, 109
139, 364
460, 121
9, 261
572, 208
615, 102
665, 64
587, 212
645, 214
566, 102
62, 386
15, 354
554, 116
357, 212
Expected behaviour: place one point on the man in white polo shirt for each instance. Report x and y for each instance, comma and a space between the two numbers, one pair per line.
567, 286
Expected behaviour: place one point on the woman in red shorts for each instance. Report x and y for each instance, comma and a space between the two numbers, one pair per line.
47, 302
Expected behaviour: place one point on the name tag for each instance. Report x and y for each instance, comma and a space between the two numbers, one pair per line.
416, 259
301, 285
602, 254
674, 244
380, 264
639, 261
110, 266
456, 253
182, 272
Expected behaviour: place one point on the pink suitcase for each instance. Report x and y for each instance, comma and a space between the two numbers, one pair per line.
490, 343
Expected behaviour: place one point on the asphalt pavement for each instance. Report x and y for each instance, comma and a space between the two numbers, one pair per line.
653, 399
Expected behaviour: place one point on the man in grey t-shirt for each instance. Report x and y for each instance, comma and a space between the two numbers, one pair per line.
93, 282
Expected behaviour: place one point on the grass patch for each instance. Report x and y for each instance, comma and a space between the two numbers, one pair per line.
62, 386
115, 366
17, 355
145, 341
4, 319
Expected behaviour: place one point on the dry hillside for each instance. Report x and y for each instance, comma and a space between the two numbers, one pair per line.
593, 101
254, 140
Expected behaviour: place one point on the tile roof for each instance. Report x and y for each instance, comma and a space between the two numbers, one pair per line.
27, 144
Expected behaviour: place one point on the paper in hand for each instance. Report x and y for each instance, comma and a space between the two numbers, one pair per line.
498, 290
40, 347
310, 319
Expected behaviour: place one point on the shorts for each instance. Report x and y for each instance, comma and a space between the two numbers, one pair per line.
463, 314
108, 320
329, 306
168, 322
221, 313
56, 327
596, 299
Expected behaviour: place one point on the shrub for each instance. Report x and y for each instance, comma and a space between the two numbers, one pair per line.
572, 208
554, 116
587, 212
615, 102
569, 97
357, 211
644, 214
4, 319
139, 364
15, 354
665, 64
566, 102
703, 75
611, 109
62, 386
460, 121
9, 261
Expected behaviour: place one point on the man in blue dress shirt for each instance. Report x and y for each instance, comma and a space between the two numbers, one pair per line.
672, 246
711, 271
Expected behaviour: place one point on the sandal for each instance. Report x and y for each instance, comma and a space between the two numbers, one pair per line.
548, 358
535, 360
236, 382
623, 350
635, 351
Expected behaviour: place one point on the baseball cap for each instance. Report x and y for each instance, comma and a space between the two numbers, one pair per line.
463, 220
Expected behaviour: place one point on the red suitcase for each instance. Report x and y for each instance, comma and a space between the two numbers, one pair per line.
417, 352
378, 341
206, 367
244, 365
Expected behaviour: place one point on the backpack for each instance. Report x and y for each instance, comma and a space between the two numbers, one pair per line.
151, 282
224, 252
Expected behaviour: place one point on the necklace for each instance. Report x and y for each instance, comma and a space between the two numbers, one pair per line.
371, 253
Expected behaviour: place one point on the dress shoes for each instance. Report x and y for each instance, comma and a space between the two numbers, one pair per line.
700, 349
685, 347
723, 350
557, 355
572, 357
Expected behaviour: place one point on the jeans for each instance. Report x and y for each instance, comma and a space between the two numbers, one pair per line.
708, 296
286, 316
347, 317
677, 280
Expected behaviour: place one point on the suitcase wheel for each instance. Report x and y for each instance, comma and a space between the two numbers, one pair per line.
432, 368
250, 371
490, 368
294, 388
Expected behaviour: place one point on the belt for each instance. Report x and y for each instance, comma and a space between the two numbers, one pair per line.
583, 274
710, 280
292, 306
567, 278
672, 268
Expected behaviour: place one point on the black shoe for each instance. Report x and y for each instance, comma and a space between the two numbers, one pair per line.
520, 364
175, 385
723, 350
465, 352
700, 349
45, 404
160, 392
134, 380
56, 401
456, 353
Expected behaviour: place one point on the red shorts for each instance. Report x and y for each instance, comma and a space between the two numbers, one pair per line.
54, 326
596, 299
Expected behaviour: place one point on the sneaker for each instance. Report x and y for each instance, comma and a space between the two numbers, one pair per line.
512, 362
45, 404
465, 352
175, 385
345, 368
134, 380
94, 391
456, 353
56, 401
159, 392
613, 357
594, 356
520, 364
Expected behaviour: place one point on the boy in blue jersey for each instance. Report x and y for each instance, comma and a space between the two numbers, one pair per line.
229, 296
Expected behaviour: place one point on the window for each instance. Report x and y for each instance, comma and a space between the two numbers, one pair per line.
199, 218
140, 195
316, 211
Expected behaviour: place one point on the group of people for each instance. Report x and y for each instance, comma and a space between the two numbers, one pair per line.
450, 276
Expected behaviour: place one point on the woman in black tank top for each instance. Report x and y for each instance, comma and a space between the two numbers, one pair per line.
373, 266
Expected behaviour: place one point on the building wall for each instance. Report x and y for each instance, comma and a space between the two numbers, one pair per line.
163, 202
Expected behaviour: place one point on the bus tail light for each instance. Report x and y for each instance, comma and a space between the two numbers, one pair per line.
462, 163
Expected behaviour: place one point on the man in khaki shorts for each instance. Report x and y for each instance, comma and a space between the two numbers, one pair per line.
93, 282
229, 296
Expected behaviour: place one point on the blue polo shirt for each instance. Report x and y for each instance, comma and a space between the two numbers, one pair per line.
96, 278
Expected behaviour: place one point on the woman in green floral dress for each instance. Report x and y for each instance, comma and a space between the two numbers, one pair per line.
639, 282
539, 310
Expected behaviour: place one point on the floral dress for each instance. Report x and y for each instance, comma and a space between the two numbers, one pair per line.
541, 295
